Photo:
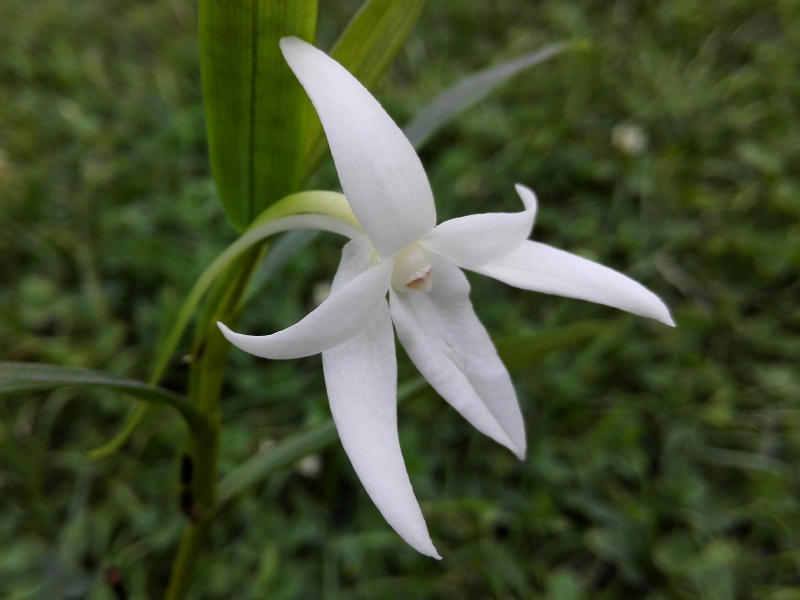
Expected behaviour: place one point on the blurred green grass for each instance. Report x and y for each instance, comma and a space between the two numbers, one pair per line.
662, 463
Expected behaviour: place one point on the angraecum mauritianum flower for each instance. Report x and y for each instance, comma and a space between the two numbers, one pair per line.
401, 251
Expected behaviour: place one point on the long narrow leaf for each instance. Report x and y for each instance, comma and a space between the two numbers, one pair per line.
255, 109
284, 454
366, 48
280, 253
129, 426
294, 204
287, 452
521, 350
19, 378
312, 201
470, 90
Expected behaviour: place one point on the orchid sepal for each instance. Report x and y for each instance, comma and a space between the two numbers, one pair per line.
398, 249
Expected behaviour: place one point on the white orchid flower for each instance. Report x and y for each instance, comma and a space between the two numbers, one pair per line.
403, 252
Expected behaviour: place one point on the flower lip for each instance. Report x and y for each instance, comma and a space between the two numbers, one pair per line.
412, 270
422, 280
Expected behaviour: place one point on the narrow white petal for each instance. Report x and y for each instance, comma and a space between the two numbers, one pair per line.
452, 350
356, 258
335, 321
542, 268
380, 173
479, 239
361, 377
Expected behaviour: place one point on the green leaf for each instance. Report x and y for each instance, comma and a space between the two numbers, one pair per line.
290, 450
469, 91
366, 48
19, 378
330, 203
132, 421
284, 454
280, 253
255, 109
522, 350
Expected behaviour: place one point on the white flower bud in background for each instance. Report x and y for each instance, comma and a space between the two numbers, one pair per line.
310, 466
630, 138
266, 444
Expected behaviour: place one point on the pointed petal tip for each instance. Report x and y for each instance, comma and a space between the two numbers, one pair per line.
227, 333
517, 448
514, 441
527, 195
652, 307
421, 543
289, 41
427, 548
523, 189
661, 313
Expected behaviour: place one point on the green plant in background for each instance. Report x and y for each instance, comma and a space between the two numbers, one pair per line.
398, 249
256, 119
660, 462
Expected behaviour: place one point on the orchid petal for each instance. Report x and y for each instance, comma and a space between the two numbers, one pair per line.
542, 268
479, 239
452, 350
340, 317
361, 377
381, 174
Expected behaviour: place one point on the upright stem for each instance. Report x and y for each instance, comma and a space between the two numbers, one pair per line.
199, 499
188, 553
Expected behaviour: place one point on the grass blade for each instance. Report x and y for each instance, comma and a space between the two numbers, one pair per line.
311, 201
523, 349
20, 378
470, 90
302, 202
281, 252
284, 454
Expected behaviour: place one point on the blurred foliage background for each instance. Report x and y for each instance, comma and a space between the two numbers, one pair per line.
662, 463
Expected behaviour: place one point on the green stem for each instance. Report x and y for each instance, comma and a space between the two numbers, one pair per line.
210, 352
188, 552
